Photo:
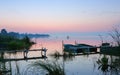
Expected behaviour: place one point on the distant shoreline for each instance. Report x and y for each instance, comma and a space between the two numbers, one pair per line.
22, 35
35, 35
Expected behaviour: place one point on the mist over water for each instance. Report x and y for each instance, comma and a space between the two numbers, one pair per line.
76, 65
54, 42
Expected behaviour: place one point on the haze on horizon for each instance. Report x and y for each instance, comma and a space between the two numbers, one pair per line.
59, 15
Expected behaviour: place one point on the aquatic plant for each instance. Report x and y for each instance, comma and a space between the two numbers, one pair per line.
66, 55
112, 66
103, 63
56, 54
115, 34
51, 68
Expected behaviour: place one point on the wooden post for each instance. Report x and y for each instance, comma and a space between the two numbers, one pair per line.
25, 53
44, 49
45, 52
62, 44
88, 49
41, 52
62, 47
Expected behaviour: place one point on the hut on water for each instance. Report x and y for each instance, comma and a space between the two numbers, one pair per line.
79, 48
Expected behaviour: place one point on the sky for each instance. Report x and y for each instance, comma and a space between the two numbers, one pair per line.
44, 16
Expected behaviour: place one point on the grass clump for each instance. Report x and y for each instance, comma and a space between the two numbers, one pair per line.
50, 68
103, 64
56, 54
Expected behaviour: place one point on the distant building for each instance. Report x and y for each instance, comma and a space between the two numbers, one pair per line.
79, 48
105, 45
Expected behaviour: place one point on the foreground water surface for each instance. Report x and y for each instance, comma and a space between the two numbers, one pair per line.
76, 65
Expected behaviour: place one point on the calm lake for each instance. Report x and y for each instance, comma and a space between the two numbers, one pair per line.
77, 65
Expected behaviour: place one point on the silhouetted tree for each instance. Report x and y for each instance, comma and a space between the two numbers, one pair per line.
3, 31
28, 42
115, 34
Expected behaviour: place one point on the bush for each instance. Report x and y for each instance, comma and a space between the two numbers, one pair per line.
15, 45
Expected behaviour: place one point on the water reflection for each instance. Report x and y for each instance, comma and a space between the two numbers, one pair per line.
66, 56
47, 68
109, 65
5, 67
94, 64
72, 65
10, 65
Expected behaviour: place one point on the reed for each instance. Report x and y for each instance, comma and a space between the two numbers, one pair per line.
56, 54
103, 63
53, 68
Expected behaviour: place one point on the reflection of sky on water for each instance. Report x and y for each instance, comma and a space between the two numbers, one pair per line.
54, 42
82, 65
78, 65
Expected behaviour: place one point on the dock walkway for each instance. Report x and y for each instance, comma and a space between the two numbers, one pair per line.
25, 54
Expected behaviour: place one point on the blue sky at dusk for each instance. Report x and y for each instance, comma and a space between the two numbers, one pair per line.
59, 15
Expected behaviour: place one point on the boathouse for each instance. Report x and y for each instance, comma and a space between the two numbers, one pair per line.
79, 48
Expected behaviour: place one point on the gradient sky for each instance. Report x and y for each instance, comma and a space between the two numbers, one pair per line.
36, 16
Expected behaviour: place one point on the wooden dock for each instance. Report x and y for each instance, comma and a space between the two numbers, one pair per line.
19, 59
10, 51
25, 54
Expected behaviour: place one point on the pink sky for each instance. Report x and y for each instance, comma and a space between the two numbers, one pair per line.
59, 16
63, 26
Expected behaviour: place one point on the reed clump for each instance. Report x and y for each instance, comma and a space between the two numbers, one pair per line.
51, 68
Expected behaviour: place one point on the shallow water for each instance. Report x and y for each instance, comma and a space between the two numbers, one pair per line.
78, 65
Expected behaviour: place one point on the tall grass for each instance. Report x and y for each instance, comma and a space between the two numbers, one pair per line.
53, 68
103, 64
107, 65
56, 54
66, 55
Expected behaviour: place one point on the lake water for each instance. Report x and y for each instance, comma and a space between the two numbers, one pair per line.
78, 65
